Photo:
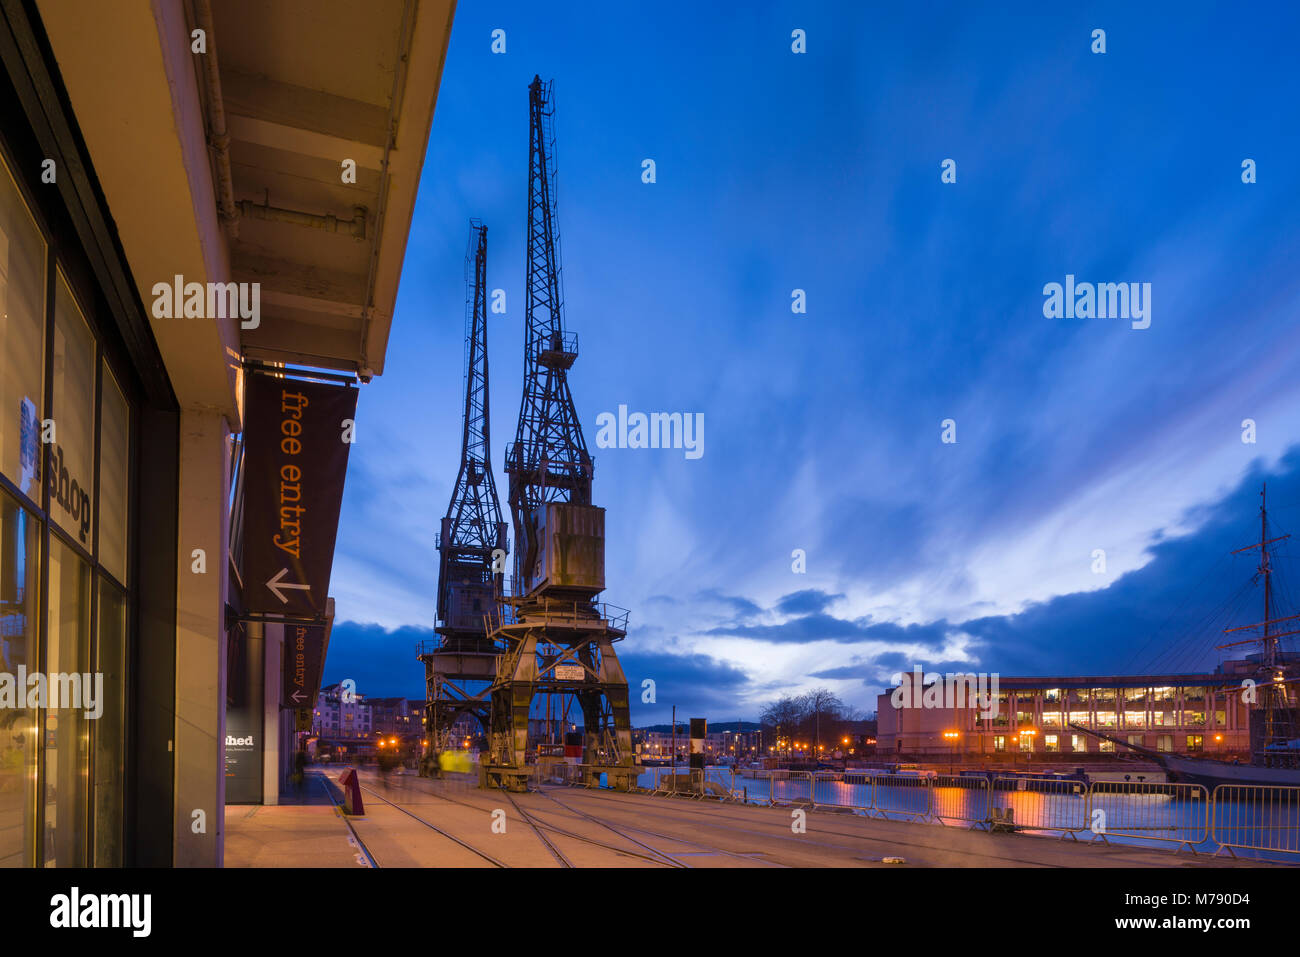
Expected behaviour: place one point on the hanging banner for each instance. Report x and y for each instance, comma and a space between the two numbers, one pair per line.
297, 435
304, 658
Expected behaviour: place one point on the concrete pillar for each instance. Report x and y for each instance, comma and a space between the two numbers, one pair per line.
200, 783
272, 726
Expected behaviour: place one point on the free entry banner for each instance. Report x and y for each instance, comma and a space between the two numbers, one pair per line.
297, 435
304, 658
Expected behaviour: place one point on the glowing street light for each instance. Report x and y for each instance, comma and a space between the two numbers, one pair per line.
952, 736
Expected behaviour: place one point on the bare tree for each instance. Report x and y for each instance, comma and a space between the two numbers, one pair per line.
782, 717
822, 709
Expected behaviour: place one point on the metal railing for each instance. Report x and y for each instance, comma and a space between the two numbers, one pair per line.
905, 795
1256, 818
1263, 819
827, 789
1039, 805
557, 609
1176, 813
960, 798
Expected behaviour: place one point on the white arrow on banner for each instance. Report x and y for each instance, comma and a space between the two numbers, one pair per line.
276, 582
297, 696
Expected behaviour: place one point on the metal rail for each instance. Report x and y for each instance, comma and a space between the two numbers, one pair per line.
543, 824
546, 841
433, 827
666, 858
352, 830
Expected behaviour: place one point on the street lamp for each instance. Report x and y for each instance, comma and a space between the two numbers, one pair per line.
1025, 733
952, 737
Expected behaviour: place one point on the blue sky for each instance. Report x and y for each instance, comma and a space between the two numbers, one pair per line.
821, 171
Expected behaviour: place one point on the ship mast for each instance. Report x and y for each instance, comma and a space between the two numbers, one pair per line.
1276, 709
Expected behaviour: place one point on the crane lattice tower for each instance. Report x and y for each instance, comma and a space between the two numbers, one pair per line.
558, 640
460, 665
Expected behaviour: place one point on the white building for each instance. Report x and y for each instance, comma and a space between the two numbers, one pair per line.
342, 716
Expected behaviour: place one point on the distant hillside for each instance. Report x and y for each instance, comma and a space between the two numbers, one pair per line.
684, 727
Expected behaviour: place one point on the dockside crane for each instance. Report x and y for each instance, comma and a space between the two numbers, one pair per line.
557, 639
472, 544
548, 461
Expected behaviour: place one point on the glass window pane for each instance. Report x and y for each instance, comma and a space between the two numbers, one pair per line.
22, 339
73, 453
67, 746
110, 757
71, 478
19, 586
114, 445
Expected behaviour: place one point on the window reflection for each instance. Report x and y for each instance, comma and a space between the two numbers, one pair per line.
67, 744
19, 586
110, 752
22, 339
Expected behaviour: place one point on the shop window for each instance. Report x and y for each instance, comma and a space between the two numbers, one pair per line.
999, 742
1078, 742
1164, 742
19, 591
72, 453
1196, 742
22, 340
1052, 742
114, 449
67, 753
110, 727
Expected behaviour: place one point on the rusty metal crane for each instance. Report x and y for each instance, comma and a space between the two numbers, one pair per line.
472, 545
557, 639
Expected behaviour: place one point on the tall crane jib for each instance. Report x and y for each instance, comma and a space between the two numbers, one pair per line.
558, 639
548, 461
461, 665
472, 541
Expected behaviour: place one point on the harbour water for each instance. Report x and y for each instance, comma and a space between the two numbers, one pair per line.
1158, 816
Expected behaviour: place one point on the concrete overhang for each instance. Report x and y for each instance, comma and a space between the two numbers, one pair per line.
309, 85
128, 72
300, 87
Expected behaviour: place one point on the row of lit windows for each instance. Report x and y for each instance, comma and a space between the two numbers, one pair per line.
1079, 742
1165, 696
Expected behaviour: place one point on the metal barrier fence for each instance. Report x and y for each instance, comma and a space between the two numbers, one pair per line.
1039, 805
829, 789
905, 795
693, 782
962, 798
1175, 813
1257, 818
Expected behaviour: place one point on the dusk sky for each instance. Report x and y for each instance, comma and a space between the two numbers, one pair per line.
821, 171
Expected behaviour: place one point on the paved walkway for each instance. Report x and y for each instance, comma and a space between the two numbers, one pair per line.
416, 822
309, 833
